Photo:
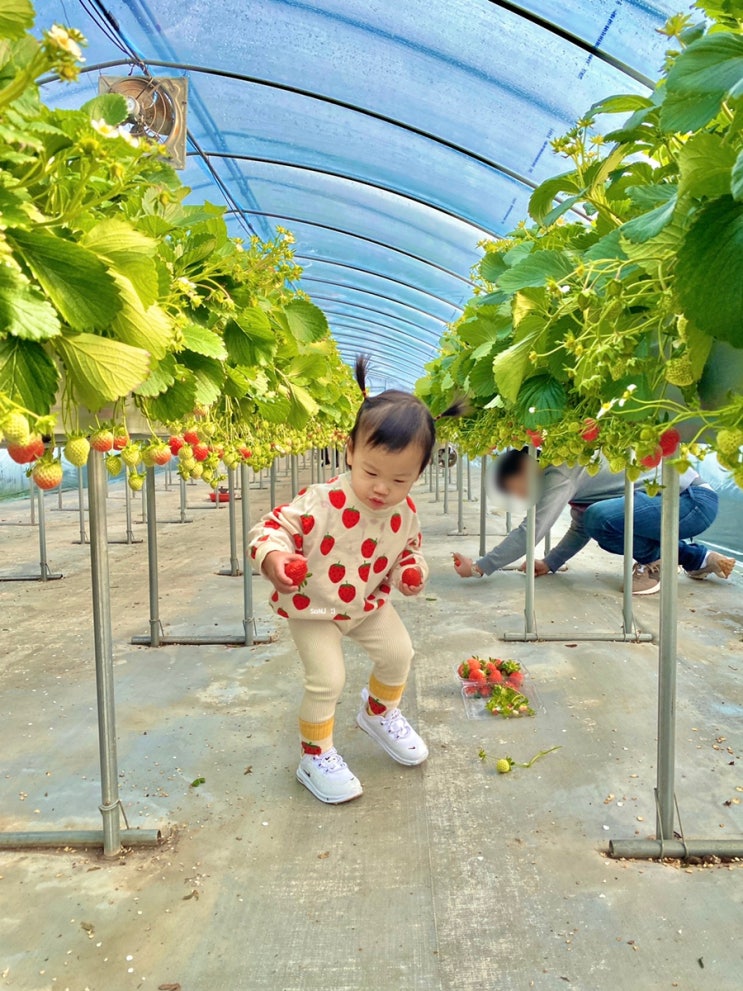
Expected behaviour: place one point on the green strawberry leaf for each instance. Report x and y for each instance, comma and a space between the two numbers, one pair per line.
705, 163
100, 370
491, 266
149, 329
511, 365
16, 17
203, 341
23, 310
208, 376
76, 282
736, 178
700, 79
160, 378
108, 107
535, 270
129, 252
541, 401
177, 401
28, 375
647, 225
307, 322
709, 275
541, 200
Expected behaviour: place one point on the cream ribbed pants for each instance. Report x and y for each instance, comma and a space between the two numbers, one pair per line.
319, 642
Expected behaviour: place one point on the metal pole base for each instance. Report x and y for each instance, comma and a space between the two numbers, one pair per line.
229, 573
578, 637
124, 540
48, 577
76, 838
674, 849
226, 641
464, 532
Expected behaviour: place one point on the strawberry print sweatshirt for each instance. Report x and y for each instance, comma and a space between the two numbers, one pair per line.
355, 555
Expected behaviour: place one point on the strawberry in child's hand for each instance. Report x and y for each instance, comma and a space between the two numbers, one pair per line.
350, 517
326, 544
336, 573
412, 577
296, 570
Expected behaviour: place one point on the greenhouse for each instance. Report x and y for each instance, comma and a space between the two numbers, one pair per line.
371, 487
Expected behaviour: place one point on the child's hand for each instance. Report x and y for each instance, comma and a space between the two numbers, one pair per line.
463, 565
411, 589
411, 581
274, 568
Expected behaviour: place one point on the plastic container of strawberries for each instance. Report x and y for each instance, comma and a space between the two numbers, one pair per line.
508, 678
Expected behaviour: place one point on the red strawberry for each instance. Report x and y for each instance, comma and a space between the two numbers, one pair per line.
282, 612
175, 444
652, 460
298, 541
669, 441
245, 453
380, 565
311, 748
411, 504
190, 437
470, 689
364, 570
47, 473
485, 691
200, 452
341, 615
326, 544
516, 679
296, 571
160, 455
347, 592
24, 454
590, 430
300, 601
395, 522
102, 440
307, 522
337, 498
376, 706
385, 588
336, 573
272, 524
369, 605
350, 518
412, 577
368, 547
535, 437
121, 439
477, 674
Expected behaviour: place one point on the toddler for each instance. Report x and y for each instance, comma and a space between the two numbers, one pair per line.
356, 536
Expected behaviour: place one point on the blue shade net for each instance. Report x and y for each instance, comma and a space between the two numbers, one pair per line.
390, 138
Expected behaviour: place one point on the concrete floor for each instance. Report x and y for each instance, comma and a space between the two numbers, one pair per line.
443, 877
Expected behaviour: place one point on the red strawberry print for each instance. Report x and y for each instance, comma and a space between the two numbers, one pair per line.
350, 517
412, 577
368, 547
298, 541
410, 503
253, 553
282, 612
296, 571
341, 616
277, 510
395, 522
302, 491
275, 597
300, 601
333, 480
337, 498
369, 605
380, 603
272, 524
364, 570
311, 748
385, 588
376, 706
347, 592
407, 561
261, 539
326, 544
307, 522
336, 573
380, 565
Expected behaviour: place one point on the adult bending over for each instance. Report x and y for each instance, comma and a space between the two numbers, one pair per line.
597, 511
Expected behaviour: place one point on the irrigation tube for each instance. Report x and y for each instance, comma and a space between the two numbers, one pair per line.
667, 660
674, 849
76, 838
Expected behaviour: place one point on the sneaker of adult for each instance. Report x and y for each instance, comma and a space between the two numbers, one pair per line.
328, 777
393, 733
646, 578
714, 564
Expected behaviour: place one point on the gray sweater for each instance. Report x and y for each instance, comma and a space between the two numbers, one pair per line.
558, 487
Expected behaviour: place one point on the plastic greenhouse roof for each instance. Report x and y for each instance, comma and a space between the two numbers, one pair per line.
390, 137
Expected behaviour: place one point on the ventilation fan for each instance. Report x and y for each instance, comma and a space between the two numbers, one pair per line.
156, 110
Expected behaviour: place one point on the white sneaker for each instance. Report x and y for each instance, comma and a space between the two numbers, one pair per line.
393, 733
328, 777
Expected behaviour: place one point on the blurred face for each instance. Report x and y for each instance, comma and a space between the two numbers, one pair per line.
518, 485
380, 477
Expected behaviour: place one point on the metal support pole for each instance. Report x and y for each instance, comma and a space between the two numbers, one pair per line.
446, 480
234, 569
272, 484
44, 572
628, 619
128, 507
460, 493
152, 558
430, 476
103, 645
469, 479
295, 475
322, 465
437, 473
483, 504
674, 849
260, 479
144, 496
61, 484
669, 531
182, 500
312, 466
32, 490
248, 620
547, 542
81, 507
531, 540
78, 838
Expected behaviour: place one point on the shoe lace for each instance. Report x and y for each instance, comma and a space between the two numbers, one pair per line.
396, 724
330, 761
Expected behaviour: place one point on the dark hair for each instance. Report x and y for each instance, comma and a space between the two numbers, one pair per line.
509, 465
395, 419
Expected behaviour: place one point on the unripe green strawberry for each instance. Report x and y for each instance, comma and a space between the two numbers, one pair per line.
131, 455
729, 442
47, 473
593, 468
149, 456
76, 450
185, 452
197, 471
679, 372
136, 481
503, 765
616, 465
634, 472
113, 465
16, 429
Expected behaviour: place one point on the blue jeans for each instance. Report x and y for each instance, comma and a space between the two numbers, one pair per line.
604, 521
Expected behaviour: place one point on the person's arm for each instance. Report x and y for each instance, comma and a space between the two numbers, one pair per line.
411, 557
279, 538
574, 540
557, 489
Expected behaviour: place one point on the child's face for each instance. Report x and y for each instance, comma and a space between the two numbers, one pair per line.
380, 477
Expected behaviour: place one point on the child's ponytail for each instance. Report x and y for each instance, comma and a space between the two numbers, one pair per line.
457, 408
361, 370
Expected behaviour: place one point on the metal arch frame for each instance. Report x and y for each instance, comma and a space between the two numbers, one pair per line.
332, 101
382, 366
370, 309
390, 361
347, 177
395, 347
573, 39
360, 237
378, 295
377, 323
377, 275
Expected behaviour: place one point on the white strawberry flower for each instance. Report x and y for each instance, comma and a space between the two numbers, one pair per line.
61, 38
